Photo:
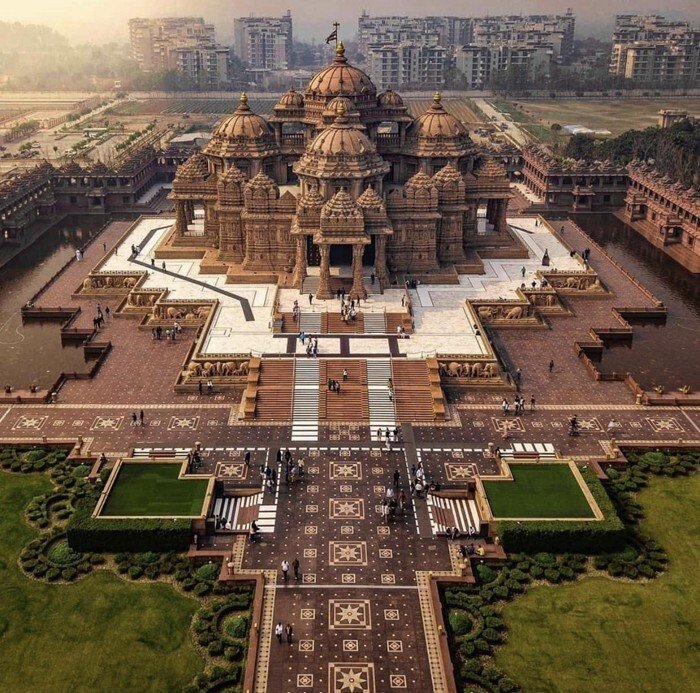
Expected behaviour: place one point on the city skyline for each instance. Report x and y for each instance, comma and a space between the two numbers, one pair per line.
98, 23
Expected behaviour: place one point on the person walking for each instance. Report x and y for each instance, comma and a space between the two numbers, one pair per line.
295, 566
532, 402
279, 631
518, 377
613, 425
134, 418
311, 298
141, 417
402, 501
397, 478
107, 312
289, 631
285, 570
551, 365
504, 405
199, 387
522, 272
345, 374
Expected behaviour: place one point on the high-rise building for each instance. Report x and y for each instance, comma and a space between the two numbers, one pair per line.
479, 63
650, 48
264, 43
407, 63
185, 44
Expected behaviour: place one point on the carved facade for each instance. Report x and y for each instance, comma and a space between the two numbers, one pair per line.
339, 175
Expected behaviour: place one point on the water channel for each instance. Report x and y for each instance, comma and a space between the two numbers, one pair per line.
667, 353
32, 352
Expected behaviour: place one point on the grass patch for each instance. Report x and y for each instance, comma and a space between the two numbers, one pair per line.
154, 490
100, 633
538, 490
619, 636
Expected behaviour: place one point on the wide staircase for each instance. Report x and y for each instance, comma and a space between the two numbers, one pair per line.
414, 397
306, 399
273, 401
351, 403
375, 323
310, 323
336, 325
381, 407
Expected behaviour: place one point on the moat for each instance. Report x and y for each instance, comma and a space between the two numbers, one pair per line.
32, 352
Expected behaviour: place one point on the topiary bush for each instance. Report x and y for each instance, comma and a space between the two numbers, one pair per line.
459, 621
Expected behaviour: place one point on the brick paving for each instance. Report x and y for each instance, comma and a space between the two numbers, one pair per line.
356, 610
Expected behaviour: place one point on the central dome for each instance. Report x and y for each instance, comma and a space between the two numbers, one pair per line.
243, 123
437, 122
341, 138
341, 79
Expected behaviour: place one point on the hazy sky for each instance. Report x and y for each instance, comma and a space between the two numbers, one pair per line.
101, 20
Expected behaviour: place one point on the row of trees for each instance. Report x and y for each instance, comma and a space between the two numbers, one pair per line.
675, 151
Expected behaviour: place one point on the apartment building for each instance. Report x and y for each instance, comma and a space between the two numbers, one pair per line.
264, 43
650, 48
407, 63
185, 44
479, 63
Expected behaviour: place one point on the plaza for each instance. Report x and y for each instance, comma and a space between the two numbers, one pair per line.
293, 408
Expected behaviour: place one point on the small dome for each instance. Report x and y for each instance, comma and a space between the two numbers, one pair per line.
232, 175
341, 138
437, 122
341, 206
370, 200
447, 175
243, 123
291, 100
389, 99
340, 105
421, 181
261, 181
311, 199
490, 168
195, 168
340, 78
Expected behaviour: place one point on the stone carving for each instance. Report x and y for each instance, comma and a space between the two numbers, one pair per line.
108, 282
210, 369
514, 313
455, 369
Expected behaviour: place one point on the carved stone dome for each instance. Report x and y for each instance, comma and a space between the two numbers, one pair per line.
341, 206
447, 175
338, 104
437, 122
490, 168
340, 78
195, 168
389, 99
232, 175
291, 100
341, 137
370, 200
420, 181
243, 123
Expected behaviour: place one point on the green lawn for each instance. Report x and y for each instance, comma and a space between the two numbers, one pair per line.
602, 634
154, 490
99, 634
538, 490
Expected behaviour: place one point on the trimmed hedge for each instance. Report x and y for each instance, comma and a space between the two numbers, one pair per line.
590, 537
87, 534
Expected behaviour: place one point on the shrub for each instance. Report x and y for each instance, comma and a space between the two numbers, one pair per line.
135, 572
234, 652
69, 574
202, 588
61, 554
208, 571
485, 573
491, 635
552, 575
53, 574
459, 621
215, 648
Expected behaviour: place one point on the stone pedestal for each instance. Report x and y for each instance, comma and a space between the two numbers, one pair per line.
324, 283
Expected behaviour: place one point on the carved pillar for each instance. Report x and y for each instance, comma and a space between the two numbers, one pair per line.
180, 217
324, 281
300, 263
380, 261
501, 219
358, 289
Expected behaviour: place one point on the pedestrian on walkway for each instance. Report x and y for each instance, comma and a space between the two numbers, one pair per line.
289, 630
295, 565
518, 377
337, 387
345, 374
402, 501
134, 418
397, 478
285, 570
104, 247
551, 365
246, 459
311, 298
522, 272
210, 387
613, 425
199, 387
163, 265
141, 417
279, 631
532, 402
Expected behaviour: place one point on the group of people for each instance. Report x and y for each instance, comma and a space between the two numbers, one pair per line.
334, 385
293, 469
518, 405
194, 461
418, 480
284, 631
391, 503
171, 333
311, 345
100, 317
388, 435
348, 312
209, 386
138, 419
455, 532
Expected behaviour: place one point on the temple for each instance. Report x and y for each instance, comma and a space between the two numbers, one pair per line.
340, 175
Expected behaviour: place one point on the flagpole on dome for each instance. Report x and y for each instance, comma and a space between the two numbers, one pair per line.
333, 35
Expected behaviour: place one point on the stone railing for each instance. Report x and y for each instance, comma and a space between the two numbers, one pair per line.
187, 312
572, 282
113, 283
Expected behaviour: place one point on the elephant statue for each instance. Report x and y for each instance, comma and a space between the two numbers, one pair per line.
243, 368
573, 283
129, 282
549, 300
514, 313
485, 313
194, 369
490, 370
442, 368
475, 370
453, 369
87, 283
596, 285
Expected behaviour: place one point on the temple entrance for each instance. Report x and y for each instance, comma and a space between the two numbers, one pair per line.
313, 255
341, 256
